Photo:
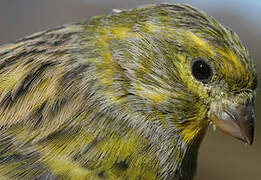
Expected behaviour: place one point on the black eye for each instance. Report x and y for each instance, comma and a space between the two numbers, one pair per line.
201, 70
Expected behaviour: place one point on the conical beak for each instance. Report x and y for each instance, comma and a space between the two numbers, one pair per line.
236, 120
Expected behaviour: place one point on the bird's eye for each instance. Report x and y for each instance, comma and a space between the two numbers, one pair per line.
201, 70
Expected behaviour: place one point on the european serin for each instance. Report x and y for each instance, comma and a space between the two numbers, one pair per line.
123, 96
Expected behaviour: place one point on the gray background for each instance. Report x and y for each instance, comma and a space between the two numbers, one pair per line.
221, 157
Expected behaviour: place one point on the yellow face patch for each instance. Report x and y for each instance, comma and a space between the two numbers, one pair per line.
122, 32
155, 95
234, 65
203, 45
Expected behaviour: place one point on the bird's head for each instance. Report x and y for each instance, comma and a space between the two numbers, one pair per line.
188, 70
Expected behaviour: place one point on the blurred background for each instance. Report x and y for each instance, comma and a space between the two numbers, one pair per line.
221, 157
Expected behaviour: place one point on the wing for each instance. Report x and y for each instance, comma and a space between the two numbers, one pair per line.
42, 104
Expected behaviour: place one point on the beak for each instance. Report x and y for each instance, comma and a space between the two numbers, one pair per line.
236, 120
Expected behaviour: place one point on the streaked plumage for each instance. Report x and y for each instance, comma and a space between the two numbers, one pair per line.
114, 97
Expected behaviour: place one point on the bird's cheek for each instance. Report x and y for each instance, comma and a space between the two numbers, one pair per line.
235, 119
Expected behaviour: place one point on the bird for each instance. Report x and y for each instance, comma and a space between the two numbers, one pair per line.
127, 95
